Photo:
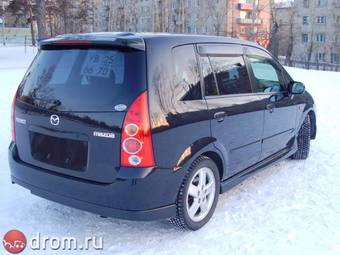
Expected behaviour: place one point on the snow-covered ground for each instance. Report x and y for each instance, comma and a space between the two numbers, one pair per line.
292, 207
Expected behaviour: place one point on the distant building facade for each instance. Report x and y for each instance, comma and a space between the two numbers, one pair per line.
174, 16
248, 20
316, 31
219, 17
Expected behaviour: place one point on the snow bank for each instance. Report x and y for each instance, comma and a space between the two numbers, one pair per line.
292, 207
14, 57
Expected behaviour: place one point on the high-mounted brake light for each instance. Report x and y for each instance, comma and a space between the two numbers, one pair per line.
73, 42
136, 141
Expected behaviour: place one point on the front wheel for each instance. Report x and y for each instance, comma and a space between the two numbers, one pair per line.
303, 140
198, 195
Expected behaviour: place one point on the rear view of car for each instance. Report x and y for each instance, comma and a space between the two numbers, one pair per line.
71, 107
81, 127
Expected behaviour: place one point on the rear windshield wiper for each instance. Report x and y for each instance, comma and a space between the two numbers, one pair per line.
51, 103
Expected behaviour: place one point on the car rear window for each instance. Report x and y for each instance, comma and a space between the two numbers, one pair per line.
83, 79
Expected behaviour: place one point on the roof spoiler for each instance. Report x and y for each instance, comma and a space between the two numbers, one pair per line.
120, 40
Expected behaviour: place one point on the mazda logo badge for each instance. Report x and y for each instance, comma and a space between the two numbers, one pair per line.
54, 119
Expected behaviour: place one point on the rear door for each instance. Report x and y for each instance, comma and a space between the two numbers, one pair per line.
70, 109
270, 85
236, 113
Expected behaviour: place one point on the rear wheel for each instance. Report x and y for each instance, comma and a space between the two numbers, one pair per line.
198, 195
303, 140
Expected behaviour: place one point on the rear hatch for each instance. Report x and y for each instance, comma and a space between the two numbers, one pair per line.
71, 105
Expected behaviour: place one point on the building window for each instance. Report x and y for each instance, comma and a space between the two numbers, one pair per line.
321, 19
334, 58
320, 38
304, 38
305, 20
320, 57
306, 3
337, 38
321, 3
189, 3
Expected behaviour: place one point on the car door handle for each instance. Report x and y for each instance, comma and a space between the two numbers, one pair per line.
219, 116
270, 107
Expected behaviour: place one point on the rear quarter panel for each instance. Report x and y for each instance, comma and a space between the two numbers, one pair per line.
177, 126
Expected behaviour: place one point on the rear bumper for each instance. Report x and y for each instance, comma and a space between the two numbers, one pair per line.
149, 198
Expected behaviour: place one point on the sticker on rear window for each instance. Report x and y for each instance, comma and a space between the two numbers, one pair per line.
103, 64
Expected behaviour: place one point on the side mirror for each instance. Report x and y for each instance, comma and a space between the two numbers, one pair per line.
297, 87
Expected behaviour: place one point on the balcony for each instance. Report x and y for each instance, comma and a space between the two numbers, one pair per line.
244, 6
247, 21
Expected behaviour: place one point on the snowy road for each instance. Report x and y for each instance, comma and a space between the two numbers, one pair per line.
292, 207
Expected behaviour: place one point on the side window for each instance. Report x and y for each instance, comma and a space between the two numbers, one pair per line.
186, 73
210, 86
231, 75
267, 77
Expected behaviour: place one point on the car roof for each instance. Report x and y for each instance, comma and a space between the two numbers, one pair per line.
138, 40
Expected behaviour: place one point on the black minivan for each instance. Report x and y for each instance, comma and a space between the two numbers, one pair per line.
153, 126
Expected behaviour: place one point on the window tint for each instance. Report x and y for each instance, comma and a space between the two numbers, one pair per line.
186, 81
83, 79
210, 86
231, 75
267, 77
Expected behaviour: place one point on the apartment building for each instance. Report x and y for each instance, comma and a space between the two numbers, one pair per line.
249, 20
316, 31
181, 16
236, 18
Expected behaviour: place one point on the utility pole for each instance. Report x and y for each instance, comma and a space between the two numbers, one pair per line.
3, 23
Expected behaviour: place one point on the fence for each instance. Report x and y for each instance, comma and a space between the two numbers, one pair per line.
16, 40
311, 65
15, 35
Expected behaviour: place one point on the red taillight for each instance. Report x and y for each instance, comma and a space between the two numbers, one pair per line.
13, 118
136, 143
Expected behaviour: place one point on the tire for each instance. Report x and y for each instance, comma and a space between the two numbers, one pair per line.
303, 140
189, 216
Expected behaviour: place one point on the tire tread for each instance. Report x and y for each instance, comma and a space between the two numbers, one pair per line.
179, 220
303, 140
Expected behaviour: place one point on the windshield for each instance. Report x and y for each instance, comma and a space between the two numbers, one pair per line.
83, 79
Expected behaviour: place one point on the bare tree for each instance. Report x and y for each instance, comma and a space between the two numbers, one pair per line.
65, 10
178, 17
217, 14
39, 12
132, 13
289, 52
260, 32
281, 31
310, 47
161, 17
22, 9
86, 16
